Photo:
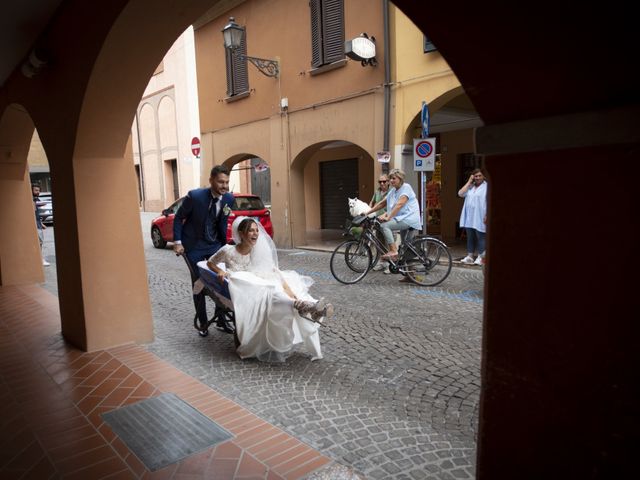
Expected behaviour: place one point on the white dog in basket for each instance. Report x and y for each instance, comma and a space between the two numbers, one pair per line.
358, 207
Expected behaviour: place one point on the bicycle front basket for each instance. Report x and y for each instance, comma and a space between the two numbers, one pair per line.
351, 230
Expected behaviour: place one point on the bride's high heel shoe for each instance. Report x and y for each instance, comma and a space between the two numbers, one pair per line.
316, 312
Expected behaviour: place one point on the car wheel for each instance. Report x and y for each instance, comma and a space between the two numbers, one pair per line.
156, 238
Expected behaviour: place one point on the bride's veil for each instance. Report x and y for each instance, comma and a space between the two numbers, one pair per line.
264, 256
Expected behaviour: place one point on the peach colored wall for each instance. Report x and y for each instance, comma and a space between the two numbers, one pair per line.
419, 77
151, 168
266, 139
83, 107
312, 179
280, 138
269, 35
20, 258
416, 76
167, 128
37, 156
172, 93
410, 65
343, 104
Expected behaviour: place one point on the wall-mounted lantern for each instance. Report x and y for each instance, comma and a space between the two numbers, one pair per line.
233, 35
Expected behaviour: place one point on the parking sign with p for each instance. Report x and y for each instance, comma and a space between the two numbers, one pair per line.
424, 154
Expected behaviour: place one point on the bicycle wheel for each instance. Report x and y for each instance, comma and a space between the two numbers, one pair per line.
432, 264
350, 261
375, 254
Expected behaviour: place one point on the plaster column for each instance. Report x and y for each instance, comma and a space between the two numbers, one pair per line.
102, 284
20, 256
559, 340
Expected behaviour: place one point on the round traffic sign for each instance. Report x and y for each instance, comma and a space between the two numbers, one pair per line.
424, 149
195, 146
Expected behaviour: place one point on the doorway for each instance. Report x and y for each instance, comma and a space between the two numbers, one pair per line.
338, 183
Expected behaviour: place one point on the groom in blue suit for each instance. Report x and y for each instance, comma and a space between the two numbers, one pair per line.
200, 227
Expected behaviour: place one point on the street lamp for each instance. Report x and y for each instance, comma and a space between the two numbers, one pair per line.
233, 35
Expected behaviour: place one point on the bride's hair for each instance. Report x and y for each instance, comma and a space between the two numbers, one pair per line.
264, 256
245, 225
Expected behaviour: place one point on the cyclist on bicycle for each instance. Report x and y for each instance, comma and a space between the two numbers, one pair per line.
403, 211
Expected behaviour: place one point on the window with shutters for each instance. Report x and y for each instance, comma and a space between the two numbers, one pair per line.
237, 76
327, 32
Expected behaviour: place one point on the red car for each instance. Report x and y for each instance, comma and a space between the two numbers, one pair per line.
244, 205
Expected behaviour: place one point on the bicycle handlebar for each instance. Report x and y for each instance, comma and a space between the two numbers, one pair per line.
361, 220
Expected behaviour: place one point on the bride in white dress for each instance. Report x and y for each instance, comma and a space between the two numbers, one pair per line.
273, 309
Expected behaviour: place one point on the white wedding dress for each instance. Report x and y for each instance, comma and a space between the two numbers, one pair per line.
267, 324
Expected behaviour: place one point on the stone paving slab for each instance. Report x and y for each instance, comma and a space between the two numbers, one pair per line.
397, 393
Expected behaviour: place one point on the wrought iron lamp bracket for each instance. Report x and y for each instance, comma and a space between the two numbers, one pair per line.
267, 67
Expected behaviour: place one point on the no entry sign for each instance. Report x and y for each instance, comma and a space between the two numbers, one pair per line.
195, 146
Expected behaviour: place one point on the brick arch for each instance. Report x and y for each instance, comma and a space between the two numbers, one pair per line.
136, 46
435, 104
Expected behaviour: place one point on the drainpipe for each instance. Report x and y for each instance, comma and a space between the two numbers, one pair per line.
387, 80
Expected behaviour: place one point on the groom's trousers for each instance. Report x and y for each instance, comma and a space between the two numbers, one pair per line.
199, 300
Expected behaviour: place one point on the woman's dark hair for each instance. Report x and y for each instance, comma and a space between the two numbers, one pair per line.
245, 225
477, 170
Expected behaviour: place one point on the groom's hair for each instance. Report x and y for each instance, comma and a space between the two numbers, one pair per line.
219, 169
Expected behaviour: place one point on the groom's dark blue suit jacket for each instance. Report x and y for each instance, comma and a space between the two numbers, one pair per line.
190, 220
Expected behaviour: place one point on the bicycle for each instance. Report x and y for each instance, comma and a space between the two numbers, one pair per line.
423, 259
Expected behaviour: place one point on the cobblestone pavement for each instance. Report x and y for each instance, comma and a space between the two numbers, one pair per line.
397, 393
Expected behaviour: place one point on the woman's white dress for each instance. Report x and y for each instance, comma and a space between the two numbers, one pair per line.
267, 324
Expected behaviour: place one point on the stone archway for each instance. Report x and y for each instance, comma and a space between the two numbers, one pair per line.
453, 123
250, 174
311, 198
102, 303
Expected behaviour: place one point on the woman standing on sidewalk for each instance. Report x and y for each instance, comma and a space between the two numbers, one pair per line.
473, 217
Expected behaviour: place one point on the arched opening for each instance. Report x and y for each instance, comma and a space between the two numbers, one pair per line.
324, 176
453, 120
250, 174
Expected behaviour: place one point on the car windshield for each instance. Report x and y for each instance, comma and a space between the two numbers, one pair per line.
175, 206
248, 203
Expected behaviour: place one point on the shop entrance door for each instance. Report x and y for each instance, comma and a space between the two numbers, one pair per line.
338, 183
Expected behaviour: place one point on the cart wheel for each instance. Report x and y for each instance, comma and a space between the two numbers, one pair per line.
224, 321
